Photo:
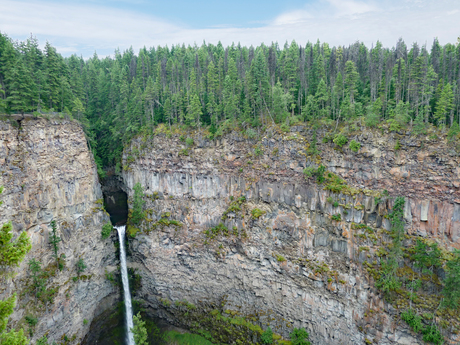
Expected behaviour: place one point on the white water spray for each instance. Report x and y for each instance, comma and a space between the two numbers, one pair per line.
124, 278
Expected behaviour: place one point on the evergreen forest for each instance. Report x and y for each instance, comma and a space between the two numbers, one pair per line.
216, 87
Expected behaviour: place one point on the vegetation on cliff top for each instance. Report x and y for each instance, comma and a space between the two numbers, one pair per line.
219, 87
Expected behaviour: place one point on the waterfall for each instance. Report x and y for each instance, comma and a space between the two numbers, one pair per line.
124, 278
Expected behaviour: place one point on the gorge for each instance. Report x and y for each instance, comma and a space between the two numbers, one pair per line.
233, 237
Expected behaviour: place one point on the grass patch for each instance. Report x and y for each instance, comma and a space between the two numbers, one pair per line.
174, 337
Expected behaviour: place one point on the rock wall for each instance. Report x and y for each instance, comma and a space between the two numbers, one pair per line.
294, 266
49, 174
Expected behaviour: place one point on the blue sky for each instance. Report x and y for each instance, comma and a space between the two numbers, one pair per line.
83, 27
205, 13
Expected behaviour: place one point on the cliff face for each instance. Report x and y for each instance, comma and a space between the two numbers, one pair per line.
49, 174
280, 257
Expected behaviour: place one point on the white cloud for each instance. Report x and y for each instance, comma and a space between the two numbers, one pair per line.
83, 29
349, 8
99, 26
292, 17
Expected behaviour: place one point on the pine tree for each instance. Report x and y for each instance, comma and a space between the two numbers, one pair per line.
21, 88
52, 75
389, 281
54, 241
401, 113
444, 105
6, 309
351, 77
212, 85
11, 254
419, 124
373, 113
229, 99
290, 67
167, 109
451, 289
78, 109
203, 85
322, 97
281, 102
194, 112
139, 330
14, 337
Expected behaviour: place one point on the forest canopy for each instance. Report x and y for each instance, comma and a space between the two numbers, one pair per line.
214, 86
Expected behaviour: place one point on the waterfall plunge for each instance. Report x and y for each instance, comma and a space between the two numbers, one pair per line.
124, 278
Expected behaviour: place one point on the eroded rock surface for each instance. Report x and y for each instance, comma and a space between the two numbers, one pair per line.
294, 266
49, 174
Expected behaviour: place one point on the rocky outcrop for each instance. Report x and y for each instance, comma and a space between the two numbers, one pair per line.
281, 255
49, 174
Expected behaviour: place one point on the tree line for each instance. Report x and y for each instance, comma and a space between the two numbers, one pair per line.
215, 86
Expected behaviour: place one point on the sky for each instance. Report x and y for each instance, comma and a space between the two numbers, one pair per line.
85, 27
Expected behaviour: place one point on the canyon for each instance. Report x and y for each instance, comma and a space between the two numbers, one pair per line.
232, 228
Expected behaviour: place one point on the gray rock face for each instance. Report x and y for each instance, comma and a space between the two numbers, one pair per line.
245, 274
292, 267
49, 174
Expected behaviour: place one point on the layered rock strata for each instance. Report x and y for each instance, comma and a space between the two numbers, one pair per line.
281, 255
49, 174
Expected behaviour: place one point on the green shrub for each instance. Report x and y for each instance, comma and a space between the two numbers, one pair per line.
32, 321
413, 320
42, 341
319, 173
285, 128
251, 133
372, 119
340, 140
85, 322
432, 334
280, 258
453, 132
326, 139
183, 152
106, 230
131, 230
267, 336
258, 151
257, 213
329, 200
337, 217
335, 204
299, 336
215, 231
309, 172
354, 146
189, 141
80, 266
